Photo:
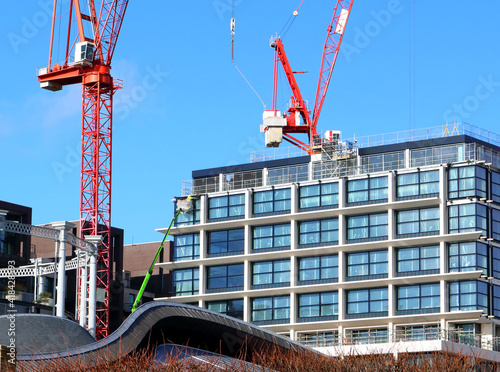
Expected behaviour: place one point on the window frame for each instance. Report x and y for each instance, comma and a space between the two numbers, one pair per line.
322, 202
461, 256
370, 263
273, 274
211, 244
421, 250
367, 227
320, 305
274, 310
274, 201
194, 280
419, 185
419, 298
190, 218
369, 302
286, 236
460, 191
368, 191
194, 246
227, 312
418, 223
320, 232
460, 296
457, 216
320, 269
226, 207
229, 286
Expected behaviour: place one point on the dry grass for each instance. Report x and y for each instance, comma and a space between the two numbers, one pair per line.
284, 361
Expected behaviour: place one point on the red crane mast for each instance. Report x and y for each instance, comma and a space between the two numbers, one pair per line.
277, 126
87, 60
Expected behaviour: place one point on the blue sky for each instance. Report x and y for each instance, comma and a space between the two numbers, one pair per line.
184, 105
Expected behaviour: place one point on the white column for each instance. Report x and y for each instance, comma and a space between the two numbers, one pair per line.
203, 209
391, 224
391, 302
63, 227
293, 307
294, 199
294, 233
342, 193
443, 197
247, 275
407, 158
342, 229
201, 280
342, 301
248, 240
391, 187
221, 182
248, 204
392, 261
293, 271
203, 244
443, 261
342, 266
265, 177
83, 294
92, 295
247, 310
443, 294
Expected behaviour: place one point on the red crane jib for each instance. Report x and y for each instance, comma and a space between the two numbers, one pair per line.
335, 33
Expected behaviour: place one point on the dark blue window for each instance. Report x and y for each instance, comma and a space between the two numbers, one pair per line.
364, 303
271, 274
367, 191
418, 260
225, 278
227, 207
469, 256
186, 247
226, 242
271, 202
418, 222
367, 227
185, 282
466, 181
495, 187
320, 196
318, 306
319, 232
269, 310
468, 217
271, 238
495, 224
232, 308
316, 270
496, 300
367, 265
418, 299
469, 295
417, 185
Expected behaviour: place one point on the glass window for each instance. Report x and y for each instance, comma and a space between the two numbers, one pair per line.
367, 336
232, 308
466, 181
495, 187
418, 185
185, 282
495, 224
418, 260
437, 155
186, 247
319, 232
383, 162
467, 217
364, 303
367, 227
190, 218
469, 256
469, 295
271, 238
495, 262
318, 306
226, 207
225, 278
496, 300
269, 274
367, 265
288, 174
271, 201
316, 270
320, 196
417, 222
418, 299
226, 242
271, 310
367, 190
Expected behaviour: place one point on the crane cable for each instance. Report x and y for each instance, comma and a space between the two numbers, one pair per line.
233, 24
289, 24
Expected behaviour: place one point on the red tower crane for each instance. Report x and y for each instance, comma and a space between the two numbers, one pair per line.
93, 29
277, 126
